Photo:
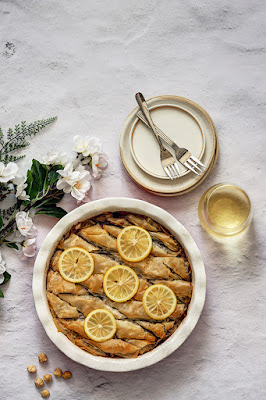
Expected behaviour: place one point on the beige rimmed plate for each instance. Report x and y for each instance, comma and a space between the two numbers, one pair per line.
205, 176
90, 210
179, 124
187, 182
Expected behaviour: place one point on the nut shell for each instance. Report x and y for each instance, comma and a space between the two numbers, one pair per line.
45, 393
38, 382
42, 358
58, 372
31, 369
47, 378
67, 375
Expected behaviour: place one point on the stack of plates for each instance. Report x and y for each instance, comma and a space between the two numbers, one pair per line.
188, 125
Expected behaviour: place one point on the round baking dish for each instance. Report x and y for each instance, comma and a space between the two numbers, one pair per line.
90, 210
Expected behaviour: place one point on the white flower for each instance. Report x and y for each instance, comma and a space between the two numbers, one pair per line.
76, 182
50, 158
21, 194
87, 146
53, 157
99, 162
8, 172
69, 178
29, 247
2, 269
82, 185
63, 159
25, 224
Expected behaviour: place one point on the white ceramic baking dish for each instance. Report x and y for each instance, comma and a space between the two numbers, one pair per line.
87, 211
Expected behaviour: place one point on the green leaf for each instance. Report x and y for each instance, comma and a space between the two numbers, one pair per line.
35, 188
52, 211
1, 222
29, 182
39, 171
11, 245
7, 276
53, 175
36, 179
1, 293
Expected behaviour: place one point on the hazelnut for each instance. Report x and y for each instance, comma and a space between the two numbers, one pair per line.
38, 382
45, 393
31, 369
67, 375
58, 372
47, 378
42, 358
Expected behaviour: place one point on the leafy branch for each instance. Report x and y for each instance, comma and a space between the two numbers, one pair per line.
43, 196
17, 138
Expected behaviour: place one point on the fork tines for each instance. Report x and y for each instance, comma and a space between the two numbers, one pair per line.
194, 165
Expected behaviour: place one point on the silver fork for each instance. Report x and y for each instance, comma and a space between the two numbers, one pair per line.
168, 162
182, 155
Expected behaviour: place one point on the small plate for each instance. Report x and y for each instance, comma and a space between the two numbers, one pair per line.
187, 182
179, 124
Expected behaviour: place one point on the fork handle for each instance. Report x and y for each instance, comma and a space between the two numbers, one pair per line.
144, 108
160, 133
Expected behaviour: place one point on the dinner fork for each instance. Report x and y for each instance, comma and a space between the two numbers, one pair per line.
182, 155
168, 162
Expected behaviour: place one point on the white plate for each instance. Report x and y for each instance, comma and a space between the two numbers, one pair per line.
88, 211
179, 124
184, 183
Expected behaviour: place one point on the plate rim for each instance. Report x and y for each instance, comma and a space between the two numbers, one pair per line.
87, 211
132, 130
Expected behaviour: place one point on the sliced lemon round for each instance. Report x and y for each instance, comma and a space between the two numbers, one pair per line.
100, 325
134, 243
120, 283
159, 301
76, 264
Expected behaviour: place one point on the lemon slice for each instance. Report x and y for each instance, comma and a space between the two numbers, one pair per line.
134, 243
100, 325
120, 283
76, 264
159, 301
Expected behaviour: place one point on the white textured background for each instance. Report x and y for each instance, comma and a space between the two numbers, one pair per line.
84, 61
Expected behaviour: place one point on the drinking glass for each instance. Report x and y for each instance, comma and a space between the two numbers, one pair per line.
225, 210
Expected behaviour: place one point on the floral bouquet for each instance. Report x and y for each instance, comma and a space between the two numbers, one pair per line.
44, 186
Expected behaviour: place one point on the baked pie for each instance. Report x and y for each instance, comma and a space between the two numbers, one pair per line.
137, 331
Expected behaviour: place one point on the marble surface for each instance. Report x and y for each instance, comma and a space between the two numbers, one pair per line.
83, 61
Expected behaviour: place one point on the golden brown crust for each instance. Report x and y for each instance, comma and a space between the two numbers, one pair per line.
98, 236
57, 284
61, 308
136, 333
94, 283
76, 241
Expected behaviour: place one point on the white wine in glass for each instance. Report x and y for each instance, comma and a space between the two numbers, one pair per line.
225, 210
